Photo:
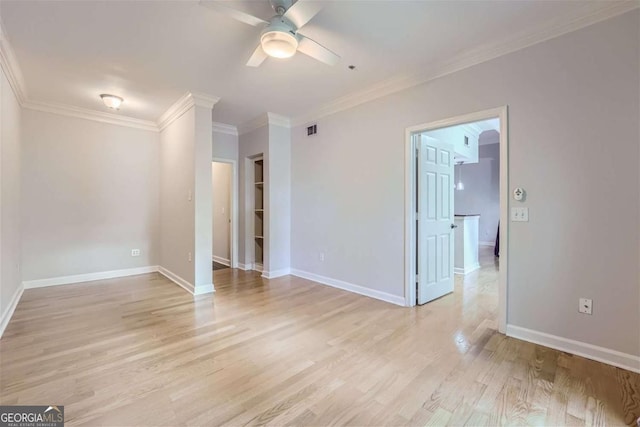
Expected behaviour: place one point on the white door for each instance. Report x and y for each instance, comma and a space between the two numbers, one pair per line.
435, 219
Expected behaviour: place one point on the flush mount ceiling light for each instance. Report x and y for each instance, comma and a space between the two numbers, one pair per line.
279, 44
112, 101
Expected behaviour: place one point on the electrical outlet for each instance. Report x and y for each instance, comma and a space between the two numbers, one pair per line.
135, 252
585, 306
321, 256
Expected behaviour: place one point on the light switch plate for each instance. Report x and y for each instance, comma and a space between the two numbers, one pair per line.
520, 214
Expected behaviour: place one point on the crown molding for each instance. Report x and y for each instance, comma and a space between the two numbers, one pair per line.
183, 104
278, 120
87, 114
225, 128
264, 120
465, 60
203, 100
10, 66
177, 109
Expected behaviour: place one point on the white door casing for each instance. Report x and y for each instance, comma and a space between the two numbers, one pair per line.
435, 243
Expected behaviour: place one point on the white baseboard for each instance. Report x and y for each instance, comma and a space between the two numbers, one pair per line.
8, 312
204, 289
89, 277
222, 261
492, 244
258, 267
276, 273
184, 284
589, 351
383, 296
467, 270
245, 267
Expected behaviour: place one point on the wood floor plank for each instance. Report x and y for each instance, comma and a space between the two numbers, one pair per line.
140, 351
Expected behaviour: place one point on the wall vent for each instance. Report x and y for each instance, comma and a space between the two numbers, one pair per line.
312, 130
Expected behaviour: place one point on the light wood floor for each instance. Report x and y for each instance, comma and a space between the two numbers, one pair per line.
141, 351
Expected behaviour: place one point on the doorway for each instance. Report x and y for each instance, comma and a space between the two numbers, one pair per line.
225, 208
429, 204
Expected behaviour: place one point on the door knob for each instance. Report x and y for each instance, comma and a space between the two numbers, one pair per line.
454, 226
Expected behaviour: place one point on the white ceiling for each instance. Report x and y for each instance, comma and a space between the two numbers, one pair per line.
152, 52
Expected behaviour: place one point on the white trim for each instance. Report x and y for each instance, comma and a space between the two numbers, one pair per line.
590, 351
89, 277
225, 128
279, 120
264, 120
235, 218
201, 99
11, 308
464, 60
410, 245
245, 267
276, 273
204, 289
491, 244
87, 114
221, 260
176, 279
357, 289
184, 104
11, 68
465, 271
257, 266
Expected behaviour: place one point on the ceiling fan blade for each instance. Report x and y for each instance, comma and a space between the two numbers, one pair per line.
257, 57
317, 51
302, 11
219, 6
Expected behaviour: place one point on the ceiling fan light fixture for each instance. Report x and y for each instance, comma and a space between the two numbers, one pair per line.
112, 101
279, 44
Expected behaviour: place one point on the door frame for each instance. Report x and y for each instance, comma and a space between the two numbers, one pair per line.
500, 113
233, 252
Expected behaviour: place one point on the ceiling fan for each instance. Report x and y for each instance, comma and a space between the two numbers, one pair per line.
280, 37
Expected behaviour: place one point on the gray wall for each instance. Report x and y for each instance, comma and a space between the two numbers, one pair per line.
186, 224
279, 198
225, 146
90, 194
10, 217
574, 137
177, 213
481, 194
221, 178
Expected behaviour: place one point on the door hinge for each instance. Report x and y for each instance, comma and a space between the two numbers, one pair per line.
417, 278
